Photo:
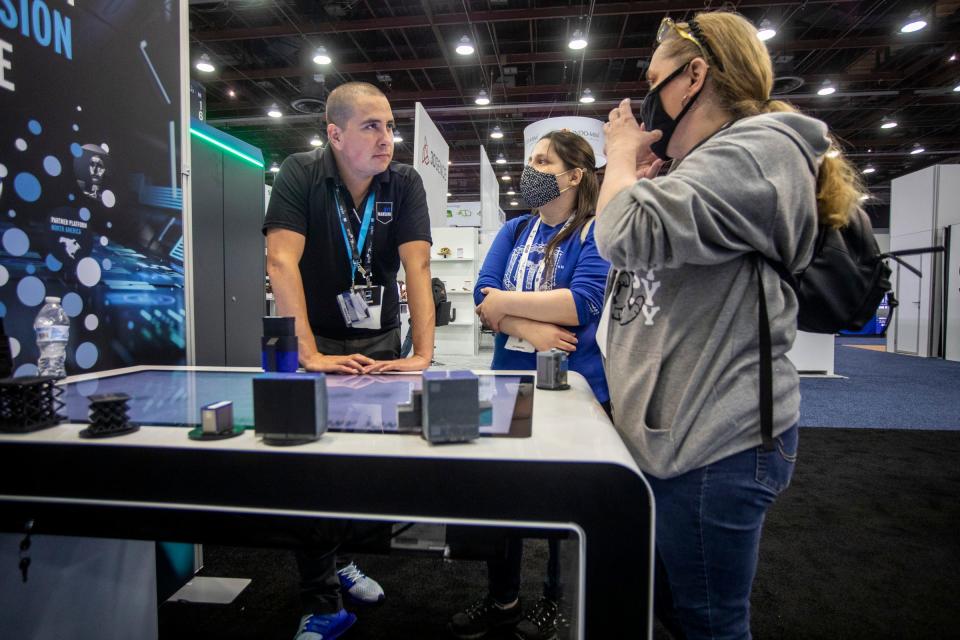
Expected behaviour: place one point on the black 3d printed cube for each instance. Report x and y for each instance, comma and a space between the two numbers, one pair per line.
451, 406
290, 408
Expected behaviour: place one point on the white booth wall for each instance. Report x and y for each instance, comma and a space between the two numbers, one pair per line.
952, 296
922, 205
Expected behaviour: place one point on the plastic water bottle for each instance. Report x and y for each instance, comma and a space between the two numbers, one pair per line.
52, 327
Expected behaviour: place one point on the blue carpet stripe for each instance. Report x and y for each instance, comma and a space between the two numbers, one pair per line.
883, 390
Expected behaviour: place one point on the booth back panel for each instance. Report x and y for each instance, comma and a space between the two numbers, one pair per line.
90, 197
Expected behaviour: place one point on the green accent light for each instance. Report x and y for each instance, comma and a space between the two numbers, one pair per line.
219, 144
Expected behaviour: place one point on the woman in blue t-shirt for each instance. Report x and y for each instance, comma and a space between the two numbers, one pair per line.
541, 287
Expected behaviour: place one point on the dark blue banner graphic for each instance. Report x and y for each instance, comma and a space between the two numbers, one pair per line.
90, 199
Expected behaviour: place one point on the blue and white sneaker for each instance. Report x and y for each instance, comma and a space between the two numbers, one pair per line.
325, 627
359, 586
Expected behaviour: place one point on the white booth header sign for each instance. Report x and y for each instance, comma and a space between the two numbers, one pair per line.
430, 156
590, 128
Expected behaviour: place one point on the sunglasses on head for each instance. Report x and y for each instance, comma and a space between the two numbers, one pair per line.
692, 33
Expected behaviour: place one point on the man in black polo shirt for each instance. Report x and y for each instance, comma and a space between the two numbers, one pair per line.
340, 222
347, 209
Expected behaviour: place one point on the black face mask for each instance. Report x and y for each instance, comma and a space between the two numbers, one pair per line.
654, 116
539, 187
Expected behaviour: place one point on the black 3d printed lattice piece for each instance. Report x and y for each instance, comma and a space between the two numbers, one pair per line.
6, 357
29, 403
108, 416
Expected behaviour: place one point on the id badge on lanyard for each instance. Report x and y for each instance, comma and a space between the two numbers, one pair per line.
360, 306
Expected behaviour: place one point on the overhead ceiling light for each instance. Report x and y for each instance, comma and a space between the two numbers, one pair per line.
914, 22
505, 177
449, 163
887, 123
465, 46
833, 153
449, 194
514, 203
482, 99
501, 159
916, 149
397, 138
826, 89
868, 169
766, 30
511, 192
274, 111
497, 133
274, 168
320, 56
577, 40
957, 88
316, 141
952, 58
587, 97
204, 64
231, 93
864, 196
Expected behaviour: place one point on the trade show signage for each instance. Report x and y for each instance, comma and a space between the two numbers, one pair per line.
430, 157
490, 211
463, 214
590, 128
90, 199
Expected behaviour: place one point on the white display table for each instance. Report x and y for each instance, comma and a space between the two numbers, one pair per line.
573, 473
813, 353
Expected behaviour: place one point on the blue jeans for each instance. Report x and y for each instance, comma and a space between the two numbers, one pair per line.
707, 537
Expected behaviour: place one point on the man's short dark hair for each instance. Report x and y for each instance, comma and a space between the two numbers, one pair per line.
341, 100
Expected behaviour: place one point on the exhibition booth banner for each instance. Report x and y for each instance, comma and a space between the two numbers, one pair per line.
463, 214
590, 128
90, 199
490, 212
430, 158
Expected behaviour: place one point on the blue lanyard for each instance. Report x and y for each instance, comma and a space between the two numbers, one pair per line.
355, 245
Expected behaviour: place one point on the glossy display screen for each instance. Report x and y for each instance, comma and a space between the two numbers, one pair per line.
367, 403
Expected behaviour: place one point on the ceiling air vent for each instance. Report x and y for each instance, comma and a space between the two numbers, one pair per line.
786, 84
312, 95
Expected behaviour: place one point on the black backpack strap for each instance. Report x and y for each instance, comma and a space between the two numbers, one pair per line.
766, 363
520, 228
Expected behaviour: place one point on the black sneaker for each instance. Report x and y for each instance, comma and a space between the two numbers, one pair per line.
542, 622
482, 617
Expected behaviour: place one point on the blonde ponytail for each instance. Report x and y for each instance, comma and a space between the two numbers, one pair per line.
838, 191
743, 88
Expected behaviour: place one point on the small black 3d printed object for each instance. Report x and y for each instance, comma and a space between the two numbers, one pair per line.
552, 370
29, 403
6, 358
108, 416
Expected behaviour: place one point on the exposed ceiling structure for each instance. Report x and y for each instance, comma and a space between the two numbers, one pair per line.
263, 53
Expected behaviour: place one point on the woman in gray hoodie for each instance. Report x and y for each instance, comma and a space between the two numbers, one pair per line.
749, 176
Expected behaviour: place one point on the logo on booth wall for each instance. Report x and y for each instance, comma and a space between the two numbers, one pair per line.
430, 159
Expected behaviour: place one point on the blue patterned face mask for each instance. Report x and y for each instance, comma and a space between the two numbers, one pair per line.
539, 187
